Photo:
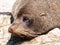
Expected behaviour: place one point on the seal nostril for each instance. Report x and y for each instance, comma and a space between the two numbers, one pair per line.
10, 30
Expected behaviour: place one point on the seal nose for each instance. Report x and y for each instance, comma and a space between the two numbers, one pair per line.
10, 30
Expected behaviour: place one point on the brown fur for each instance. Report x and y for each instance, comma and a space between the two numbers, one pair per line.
45, 15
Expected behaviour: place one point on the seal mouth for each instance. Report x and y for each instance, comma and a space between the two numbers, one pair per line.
24, 37
24, 34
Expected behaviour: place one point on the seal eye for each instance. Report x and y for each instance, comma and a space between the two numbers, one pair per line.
26, 20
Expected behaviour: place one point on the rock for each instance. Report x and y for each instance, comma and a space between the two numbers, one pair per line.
52, 38
4, 25
6, 5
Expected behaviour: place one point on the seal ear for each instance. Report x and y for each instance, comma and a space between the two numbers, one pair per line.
18, 5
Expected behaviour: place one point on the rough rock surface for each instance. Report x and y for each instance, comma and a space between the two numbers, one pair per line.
52, 38
4, 24
5, 6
